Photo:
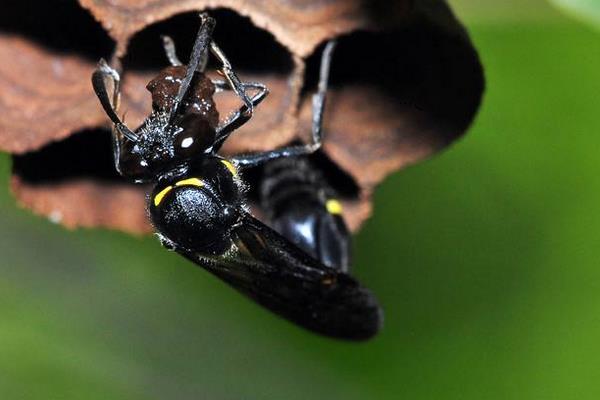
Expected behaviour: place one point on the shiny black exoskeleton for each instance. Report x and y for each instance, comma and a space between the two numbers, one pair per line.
197, 205
301, 205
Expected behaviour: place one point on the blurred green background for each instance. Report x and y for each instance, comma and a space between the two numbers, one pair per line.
485, 259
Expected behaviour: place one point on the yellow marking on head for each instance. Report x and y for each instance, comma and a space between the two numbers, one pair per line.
190, 182
159, 197
333, 206
230, 167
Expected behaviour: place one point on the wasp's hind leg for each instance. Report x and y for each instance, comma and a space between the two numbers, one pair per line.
234, 82
318, 106
240, 116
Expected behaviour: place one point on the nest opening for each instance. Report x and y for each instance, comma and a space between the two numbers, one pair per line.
434, 73
251, 50
84, 155
57, 26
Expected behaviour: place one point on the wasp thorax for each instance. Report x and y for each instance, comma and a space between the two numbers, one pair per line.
191, 214
161, 142
155, 140
195, 136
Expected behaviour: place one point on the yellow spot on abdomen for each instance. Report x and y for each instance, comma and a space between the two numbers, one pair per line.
160, 195
190, 182
333, 206
230, 167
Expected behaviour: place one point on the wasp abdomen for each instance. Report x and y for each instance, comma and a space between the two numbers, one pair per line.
198, 100
301, 207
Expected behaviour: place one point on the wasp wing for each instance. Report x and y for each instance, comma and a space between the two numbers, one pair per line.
269, 269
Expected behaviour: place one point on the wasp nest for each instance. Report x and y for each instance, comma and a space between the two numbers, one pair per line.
405, 82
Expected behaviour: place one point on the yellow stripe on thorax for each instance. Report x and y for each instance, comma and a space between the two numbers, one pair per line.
230, 167
190, 182
160, 195
184, 182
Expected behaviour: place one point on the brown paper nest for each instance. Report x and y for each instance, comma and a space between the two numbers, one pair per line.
405, 82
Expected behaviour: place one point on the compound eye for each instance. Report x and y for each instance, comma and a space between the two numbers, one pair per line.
195, 137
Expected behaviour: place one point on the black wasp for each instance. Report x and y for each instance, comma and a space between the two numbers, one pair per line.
197, 204
302, 206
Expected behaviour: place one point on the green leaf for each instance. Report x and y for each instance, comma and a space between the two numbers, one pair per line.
585, 10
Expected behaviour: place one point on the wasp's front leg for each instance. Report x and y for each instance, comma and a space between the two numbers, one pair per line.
107, 85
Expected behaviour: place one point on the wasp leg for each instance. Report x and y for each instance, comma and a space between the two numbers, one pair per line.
244, 113
103, 73
234, 82
169, 46
171, 53
202, 42
120, 133
318, 108
240, 116
166, 242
